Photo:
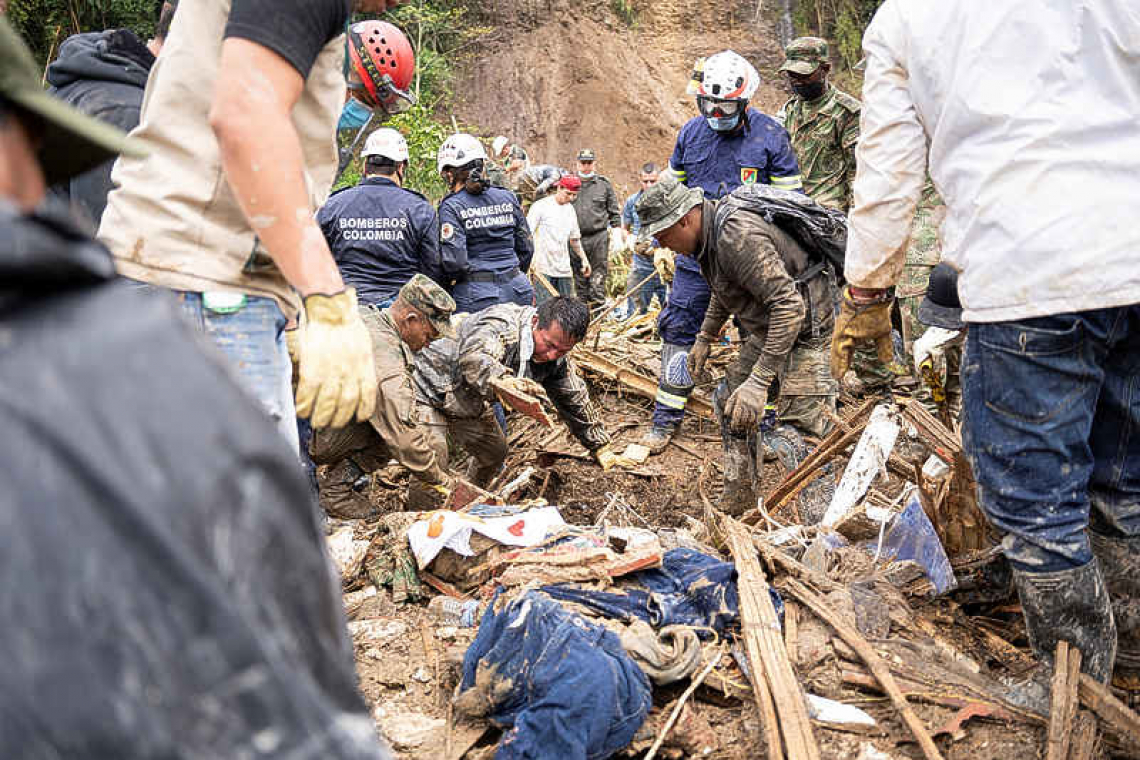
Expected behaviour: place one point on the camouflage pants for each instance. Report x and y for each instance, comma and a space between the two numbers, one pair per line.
911, 291
355, 452
481, 437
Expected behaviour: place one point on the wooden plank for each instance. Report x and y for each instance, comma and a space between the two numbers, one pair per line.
791, 631
1085, 744
523, 403
766, 652
1063, 700
874, 663
634, 381
943, 441
1120, 720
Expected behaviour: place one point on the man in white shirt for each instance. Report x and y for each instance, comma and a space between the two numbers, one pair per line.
554, 225
1035, 149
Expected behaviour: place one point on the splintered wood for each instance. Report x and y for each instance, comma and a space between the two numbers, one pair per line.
633, 381
1066, 675
771, 669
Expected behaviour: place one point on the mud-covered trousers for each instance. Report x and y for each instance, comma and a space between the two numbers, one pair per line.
592, 289
1051, 426
482, 437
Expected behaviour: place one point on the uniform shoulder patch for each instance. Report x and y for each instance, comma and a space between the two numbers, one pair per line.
446, 231
850, 102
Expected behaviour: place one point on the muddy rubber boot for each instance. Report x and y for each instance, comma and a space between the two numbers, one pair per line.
739, 473
1068, 605
1119, 559
658, 437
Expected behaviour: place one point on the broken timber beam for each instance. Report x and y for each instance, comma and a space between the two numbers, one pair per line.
632, 380
1122, 721
1063, 697
874, 662
766, 652
943, 441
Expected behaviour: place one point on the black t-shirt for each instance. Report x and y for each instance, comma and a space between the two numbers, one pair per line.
296, 30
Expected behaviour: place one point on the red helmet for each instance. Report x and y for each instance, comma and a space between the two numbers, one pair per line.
382, 66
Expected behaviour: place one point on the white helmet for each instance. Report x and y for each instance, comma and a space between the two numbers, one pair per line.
388, 143
459, 150
497, 145
727, 76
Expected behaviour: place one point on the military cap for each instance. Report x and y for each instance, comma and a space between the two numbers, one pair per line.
662, 205
70, 142
432, 301
805, 54
586, 154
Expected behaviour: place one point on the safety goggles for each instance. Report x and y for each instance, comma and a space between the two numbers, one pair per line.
714, 108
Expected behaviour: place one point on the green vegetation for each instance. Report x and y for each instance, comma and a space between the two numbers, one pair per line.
625, 11
841, 22
46, 23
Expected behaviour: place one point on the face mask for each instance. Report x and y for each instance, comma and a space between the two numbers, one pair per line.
585, 175
809, 90
724, 123
354, 115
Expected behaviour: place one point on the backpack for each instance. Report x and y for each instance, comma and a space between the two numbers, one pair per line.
820, 231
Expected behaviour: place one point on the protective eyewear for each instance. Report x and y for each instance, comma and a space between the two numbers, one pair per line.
714, 108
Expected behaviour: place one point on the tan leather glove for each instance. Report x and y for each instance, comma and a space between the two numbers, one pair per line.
861, 318
698, 355
745, 407
642, 246
292, 342
337, 375
664, 263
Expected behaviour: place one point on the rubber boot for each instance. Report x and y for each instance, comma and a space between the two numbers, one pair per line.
1119, 559
1067, 605
658, 437
739, 471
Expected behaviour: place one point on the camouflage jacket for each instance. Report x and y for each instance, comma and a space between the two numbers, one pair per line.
454, 376
924, 249
823, 134
751, 268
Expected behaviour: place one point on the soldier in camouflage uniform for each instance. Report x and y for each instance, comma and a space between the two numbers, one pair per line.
823, 124
753, 269
506, 164
922, 254
522, 347
420, 314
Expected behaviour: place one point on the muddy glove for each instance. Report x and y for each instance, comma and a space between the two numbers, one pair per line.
642, 246
664, 263
337, 375
745, 407
698, 355
521, 385
864, 315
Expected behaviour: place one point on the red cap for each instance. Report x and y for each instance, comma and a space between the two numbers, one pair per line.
571, 183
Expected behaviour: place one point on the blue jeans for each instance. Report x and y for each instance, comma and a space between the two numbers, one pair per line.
564, 286
1051, 425
641, 267
253, 340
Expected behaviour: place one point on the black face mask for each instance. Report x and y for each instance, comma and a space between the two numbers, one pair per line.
809, 90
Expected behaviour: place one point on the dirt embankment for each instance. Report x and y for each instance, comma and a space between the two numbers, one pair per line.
559, 75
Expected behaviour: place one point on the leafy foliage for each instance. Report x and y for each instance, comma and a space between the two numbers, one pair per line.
840, 21
46, 23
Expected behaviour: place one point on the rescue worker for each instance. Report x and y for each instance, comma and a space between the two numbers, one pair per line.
507, 164
598, 213
755, 270
641, 263
536, 182
484, 242
239, 118
420, 313
103, 74
175, 597
524, 347
728, 145
380, 232
1040, 226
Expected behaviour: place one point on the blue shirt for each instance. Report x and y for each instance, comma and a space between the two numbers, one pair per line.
629, 215
718, 163
482, 233
680, 320
381, 235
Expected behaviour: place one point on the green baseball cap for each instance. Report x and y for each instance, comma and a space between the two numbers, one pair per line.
662, 205
70, 142
423, 294
805, 54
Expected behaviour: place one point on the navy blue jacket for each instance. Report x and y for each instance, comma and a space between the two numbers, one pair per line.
483, 240
718, 163
381, 235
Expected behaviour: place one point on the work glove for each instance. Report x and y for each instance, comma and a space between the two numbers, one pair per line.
745, 407
664, 263
292, 343
932, 345
861, 319
523, 385
337, 376
642, 246
698, 355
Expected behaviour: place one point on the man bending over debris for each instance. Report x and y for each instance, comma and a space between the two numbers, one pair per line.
420, 314
754, 270
1041, 224
174, 594
526, 349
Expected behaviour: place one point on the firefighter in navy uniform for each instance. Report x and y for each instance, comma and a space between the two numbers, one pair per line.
484, 241
380, 232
